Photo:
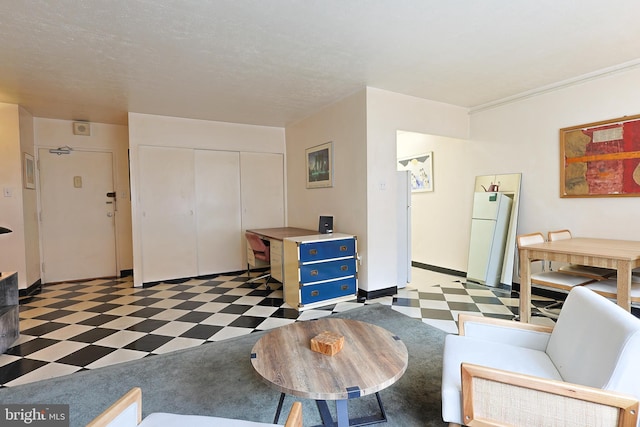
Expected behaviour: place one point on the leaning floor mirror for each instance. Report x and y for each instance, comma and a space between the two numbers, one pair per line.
492, 187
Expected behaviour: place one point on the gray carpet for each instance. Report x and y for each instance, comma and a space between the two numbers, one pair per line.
218, 379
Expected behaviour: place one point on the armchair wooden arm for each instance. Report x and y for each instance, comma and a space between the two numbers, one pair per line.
295, 416
463, 318
132, 397
493, 397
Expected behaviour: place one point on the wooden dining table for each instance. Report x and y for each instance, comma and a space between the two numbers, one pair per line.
620, 255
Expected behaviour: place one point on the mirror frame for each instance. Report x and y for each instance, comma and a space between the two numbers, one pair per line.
509, 185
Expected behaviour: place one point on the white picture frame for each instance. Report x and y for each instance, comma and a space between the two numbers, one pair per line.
29, 172
319, 164
421, 168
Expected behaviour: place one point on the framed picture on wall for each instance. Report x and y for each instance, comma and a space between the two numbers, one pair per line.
319, 162
421, 168
601, 159
29, 172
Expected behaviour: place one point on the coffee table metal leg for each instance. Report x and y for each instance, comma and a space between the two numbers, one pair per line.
323, 408
342, 412
279, 409
382, 411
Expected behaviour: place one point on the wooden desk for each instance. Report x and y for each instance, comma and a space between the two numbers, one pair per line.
275, 236
621, 255
281, 233
371, 360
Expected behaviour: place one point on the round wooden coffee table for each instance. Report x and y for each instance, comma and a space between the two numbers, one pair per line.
372, 359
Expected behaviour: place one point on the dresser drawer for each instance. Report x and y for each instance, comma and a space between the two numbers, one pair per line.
327, 270
315, 251
328, 290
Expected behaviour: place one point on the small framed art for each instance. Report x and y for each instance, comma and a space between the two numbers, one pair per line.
421, 168
29, 172
319, 162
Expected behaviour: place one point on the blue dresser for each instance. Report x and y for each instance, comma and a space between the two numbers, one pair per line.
320, 269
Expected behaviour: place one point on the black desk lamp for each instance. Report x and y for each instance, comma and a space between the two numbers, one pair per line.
4, 230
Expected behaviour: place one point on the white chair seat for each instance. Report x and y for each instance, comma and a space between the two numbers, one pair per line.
560, 280
595, 273
609, 288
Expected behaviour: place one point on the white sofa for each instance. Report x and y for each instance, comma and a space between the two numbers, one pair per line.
127, 412
594, 347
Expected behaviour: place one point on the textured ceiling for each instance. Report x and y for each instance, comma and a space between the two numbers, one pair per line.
272, 62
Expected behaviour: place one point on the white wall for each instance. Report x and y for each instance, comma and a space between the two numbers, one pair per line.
363, 200
441, 220
12, 246
344, 124
388, 112
162, 131
51, 133
520, 137
524, 137
30, 209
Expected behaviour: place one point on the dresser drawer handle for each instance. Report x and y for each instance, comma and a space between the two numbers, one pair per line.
313, 252
315, 293
314, 272
344, 287
343, 248
344, 267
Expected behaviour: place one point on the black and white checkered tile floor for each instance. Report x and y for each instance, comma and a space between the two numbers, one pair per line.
70, 327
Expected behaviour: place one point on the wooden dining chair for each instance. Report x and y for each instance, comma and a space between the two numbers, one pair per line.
555, 280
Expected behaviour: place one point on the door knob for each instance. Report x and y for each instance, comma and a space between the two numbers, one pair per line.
109, 214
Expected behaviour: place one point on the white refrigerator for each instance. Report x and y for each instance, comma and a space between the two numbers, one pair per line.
489, 228
404, 228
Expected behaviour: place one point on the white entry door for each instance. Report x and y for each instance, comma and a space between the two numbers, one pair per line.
77, 216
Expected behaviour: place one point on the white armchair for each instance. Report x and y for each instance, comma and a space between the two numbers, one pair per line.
582, 372
127, 412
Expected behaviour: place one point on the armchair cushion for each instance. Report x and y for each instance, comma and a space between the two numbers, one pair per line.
161, 419
495, 355
506, 332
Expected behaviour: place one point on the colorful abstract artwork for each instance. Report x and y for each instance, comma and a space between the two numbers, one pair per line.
601, 159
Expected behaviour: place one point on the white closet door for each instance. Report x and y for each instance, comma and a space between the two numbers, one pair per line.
262, 177
168, 213
219, 225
